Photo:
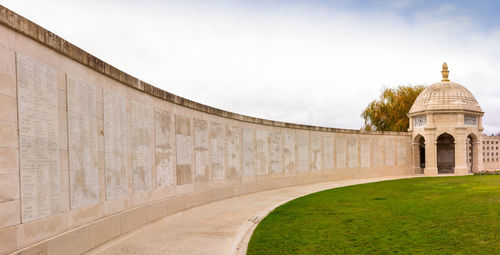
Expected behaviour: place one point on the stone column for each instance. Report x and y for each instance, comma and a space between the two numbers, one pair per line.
415, 159
430, 155
477, 156
460, 154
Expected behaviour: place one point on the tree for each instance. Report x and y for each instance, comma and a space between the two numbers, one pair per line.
389, 112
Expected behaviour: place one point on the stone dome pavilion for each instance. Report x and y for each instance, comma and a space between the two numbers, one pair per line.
446, 126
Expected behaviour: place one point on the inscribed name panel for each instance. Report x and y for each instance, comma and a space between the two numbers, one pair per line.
340, 147
234, 151
248, 138
261, 136
115, 144
316, 157
327, 152
289, 150
276, 164
142, 147
218, 142
201, 150
165, 152
38, 130
389, 152
365, 145
82, 141
303, 151
352, 152
378, 149
184, 145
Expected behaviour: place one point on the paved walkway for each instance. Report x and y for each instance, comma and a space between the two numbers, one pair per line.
222, 227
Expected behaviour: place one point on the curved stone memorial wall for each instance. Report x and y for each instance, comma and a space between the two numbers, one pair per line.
89, 153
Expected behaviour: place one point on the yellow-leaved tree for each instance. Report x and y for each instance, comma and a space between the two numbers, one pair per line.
388, 113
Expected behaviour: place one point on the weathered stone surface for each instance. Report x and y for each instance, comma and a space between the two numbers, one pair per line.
289, 151
104, 230
8, 240
233, 151
218, 146
201, 150
316, 152
378, 152
352, 152
276, 162
142, 147
184, 145
303, 151
248, 140
389, 152
401, 152
165, 153
73, 243
262, 152
38, 130
82, 139
328, 152
340, 147
365, 147
115, 144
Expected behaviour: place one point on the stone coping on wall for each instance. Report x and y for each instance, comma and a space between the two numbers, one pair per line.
41, 35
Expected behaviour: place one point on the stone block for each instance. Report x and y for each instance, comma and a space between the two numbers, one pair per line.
37, 230
75, 242
8, 240
8, 108
8, 135
156, 211
8, 84
7, 61
10, 213
132, 219
84, 215
104, 230
40, 249
9, 161
9, 187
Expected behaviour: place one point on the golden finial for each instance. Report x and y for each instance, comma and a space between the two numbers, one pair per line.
445, 73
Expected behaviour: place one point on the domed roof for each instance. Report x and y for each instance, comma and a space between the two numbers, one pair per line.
445, 95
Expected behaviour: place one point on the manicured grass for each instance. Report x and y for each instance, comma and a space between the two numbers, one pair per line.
441, 215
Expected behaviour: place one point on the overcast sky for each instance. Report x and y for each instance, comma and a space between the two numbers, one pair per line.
309, 62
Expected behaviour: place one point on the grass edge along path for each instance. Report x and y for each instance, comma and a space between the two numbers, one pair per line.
430, 215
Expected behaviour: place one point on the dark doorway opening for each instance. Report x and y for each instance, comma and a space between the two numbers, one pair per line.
470, 153
446, 154
421, 147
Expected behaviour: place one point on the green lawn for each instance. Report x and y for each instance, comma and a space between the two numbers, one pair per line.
441, 215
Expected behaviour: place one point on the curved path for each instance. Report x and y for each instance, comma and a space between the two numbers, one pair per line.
222, 227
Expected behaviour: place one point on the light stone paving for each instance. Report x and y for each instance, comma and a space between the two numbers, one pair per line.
222, 227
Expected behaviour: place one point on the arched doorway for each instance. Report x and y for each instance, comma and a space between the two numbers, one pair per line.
470, 155
472, 150
446, 154
421, 148
418, 154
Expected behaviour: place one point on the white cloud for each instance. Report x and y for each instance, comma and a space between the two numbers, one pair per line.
295, 63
